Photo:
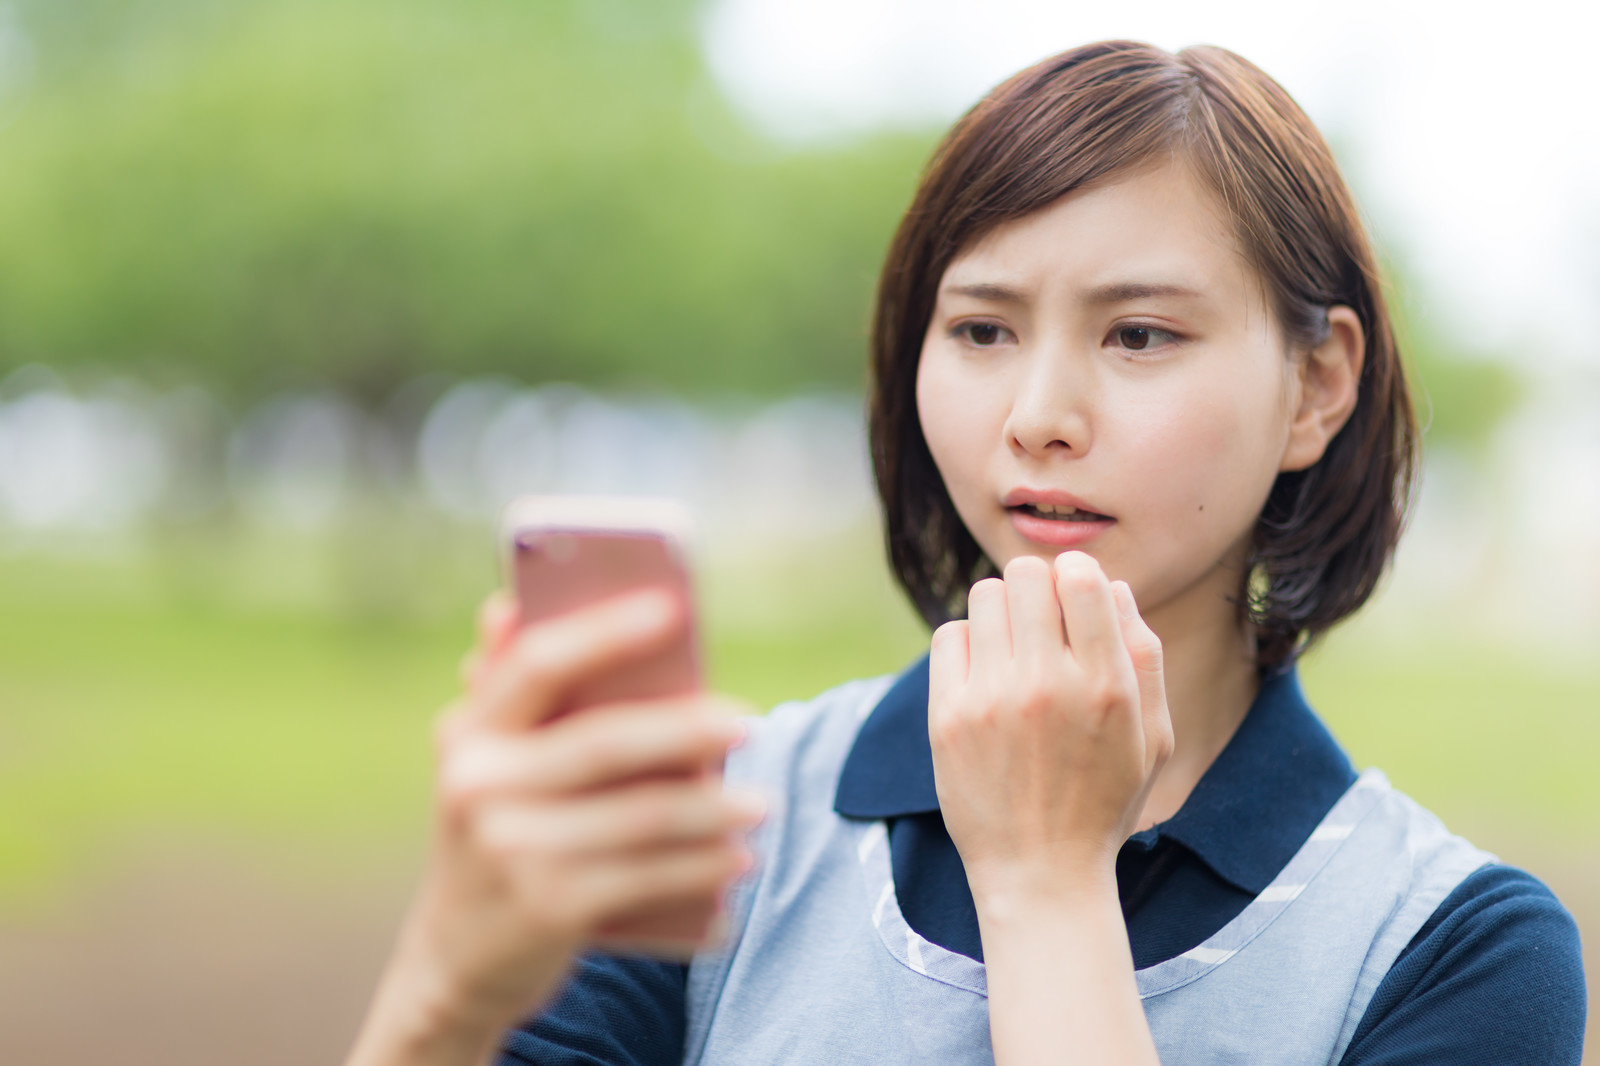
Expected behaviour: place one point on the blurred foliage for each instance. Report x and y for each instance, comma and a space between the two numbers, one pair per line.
271, 194
268, 193
1461, 390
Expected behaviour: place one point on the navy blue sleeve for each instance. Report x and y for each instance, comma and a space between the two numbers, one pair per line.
613, 1011
1495, 978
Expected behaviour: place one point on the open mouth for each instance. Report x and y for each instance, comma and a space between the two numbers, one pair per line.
1059, 513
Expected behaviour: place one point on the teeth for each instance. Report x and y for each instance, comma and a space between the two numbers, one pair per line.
1052, 509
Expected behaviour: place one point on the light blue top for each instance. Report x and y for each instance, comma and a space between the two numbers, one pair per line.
820, 966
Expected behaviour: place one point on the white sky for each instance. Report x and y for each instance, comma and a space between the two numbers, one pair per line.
1472, 131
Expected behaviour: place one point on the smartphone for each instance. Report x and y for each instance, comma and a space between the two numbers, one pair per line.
566, 552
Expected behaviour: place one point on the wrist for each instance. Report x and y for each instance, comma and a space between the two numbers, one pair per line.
427, 1012
421, 1017
415, 1022
1028, 892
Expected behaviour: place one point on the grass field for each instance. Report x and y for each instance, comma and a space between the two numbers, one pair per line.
136, 706
214, 764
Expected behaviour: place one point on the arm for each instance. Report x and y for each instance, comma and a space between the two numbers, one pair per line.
1494, 977
614, 1009
555, 832
1044, 752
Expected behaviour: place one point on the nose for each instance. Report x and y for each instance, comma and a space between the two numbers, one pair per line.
1051, 411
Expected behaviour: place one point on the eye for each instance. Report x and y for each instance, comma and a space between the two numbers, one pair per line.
1142, 338
981, 334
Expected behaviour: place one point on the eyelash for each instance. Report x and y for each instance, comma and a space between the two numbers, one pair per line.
962, 331
1143, 353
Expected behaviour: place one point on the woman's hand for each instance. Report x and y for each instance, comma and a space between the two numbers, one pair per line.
555, 831
1048, 719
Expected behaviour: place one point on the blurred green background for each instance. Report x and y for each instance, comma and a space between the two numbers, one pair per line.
227, 208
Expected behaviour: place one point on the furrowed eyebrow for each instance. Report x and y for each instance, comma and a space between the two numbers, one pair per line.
1125, 291
990, 291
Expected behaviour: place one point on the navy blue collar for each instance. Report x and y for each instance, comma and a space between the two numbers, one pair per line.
1251, 811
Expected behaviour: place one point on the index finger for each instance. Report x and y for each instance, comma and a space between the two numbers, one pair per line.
547, 660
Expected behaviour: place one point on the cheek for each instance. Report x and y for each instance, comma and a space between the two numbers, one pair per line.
955, 413
1210, 454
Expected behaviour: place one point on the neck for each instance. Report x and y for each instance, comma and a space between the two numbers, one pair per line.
1211, 683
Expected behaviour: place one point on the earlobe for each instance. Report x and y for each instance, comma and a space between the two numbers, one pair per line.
1329, 385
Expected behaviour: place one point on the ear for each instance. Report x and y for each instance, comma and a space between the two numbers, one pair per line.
1329, 380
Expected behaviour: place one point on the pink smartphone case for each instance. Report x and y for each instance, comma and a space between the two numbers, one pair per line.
557, 570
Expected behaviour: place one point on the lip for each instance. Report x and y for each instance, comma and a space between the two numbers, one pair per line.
1054, 497
1055, 532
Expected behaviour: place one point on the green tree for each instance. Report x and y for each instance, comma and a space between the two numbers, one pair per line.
1462, 390
271, 194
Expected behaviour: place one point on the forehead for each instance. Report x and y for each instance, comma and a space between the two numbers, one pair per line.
1158, 225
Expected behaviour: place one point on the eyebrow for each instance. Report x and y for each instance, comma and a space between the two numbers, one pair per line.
1125, 291
990, 291
1113, 293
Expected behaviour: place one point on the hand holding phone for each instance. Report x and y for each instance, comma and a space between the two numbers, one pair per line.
569, 553
559, 825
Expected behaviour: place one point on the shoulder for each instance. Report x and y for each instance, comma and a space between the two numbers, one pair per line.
803, 736
1495, 975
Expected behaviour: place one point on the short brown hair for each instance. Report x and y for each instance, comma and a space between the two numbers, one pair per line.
1326, 533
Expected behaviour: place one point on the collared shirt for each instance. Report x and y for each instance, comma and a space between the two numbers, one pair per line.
1459, 993
1179, 881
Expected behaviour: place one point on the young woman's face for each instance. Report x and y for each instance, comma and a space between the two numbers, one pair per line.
1105, 375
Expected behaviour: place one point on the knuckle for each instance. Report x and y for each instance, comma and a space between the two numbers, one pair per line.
944, 732
954, 721
1145, 644
1034, 695
983, 715
1103, 696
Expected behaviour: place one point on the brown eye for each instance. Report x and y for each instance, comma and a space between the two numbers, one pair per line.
983, 334
1146, 339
